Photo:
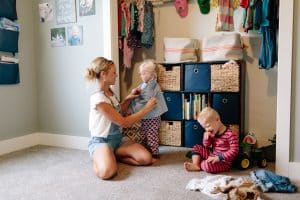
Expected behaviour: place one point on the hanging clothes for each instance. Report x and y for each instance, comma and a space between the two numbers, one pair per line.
266, 18
148, 32
225, 16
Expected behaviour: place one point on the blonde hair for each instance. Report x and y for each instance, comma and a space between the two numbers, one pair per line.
98, 65
149, 66
208, 114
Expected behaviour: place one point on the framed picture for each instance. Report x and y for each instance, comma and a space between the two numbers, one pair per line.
74, 35
86, 7
46, 11
65, 11
58, 37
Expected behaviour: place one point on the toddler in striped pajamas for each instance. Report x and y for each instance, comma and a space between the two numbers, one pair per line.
219, 148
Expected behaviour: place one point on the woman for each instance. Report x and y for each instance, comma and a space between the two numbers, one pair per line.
105, 121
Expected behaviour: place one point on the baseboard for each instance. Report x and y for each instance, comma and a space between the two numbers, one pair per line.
67, 141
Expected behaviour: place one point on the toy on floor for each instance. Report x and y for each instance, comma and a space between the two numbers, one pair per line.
250, 156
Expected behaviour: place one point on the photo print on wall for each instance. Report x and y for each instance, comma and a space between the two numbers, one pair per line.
46, 11
86, 7
74, 35
65, 11
58, 37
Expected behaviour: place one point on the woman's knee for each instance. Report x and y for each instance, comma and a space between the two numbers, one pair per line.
144, 158
105, 172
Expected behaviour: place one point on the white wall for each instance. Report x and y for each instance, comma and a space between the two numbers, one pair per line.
260, 99
18, 103
62, 93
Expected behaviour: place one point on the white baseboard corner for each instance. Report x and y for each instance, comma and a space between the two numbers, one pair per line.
26, 141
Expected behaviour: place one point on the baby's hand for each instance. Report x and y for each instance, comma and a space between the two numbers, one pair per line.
208, 134
213, 159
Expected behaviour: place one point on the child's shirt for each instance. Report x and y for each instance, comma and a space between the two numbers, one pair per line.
226, 144
148, 90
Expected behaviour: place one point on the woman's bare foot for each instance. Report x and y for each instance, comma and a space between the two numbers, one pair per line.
188, 166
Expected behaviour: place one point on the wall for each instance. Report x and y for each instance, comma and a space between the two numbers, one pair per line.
62, 93
18, 103
295, 110
260, 99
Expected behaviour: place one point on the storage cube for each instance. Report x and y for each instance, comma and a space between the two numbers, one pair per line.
193, 133
9, 73
174, 103
169, 77
170, 133
9, 40
197, 77
225, 77
228, 106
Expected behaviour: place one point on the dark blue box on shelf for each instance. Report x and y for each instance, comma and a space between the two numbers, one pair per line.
174, 103
197, 77
228, 106
9, 40
9, 73
193, 133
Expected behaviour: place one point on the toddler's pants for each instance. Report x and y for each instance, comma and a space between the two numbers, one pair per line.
150, 134
209, 167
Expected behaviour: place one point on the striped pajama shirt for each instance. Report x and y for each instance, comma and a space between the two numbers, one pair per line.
226, 146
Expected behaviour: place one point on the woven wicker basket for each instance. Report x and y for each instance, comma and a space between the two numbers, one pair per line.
225, 78
170, 133
169, 79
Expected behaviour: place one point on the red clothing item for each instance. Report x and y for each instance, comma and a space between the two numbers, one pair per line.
225, 146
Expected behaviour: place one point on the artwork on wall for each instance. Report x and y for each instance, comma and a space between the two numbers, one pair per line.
58, 37
74, 35
65, 11
46, 11
86, 7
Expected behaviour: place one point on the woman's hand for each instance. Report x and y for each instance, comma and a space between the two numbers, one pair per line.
134, 93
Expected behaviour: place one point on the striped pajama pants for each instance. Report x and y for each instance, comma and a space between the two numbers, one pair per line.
209, 167
150, 134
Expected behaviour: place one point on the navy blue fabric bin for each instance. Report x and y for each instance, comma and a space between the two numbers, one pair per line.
193, 133
174, 103
9, 40
9, 73
197, 77
228, 106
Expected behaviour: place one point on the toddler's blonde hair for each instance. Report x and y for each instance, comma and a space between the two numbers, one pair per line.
98, 65
149, 66
208, 114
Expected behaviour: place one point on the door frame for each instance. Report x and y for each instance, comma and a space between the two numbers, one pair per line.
284, 165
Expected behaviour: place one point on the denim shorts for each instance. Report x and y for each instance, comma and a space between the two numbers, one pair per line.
113, 141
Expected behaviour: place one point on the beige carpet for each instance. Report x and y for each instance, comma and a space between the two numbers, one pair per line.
52, 173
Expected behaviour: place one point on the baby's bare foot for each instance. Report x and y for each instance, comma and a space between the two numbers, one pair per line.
188, 166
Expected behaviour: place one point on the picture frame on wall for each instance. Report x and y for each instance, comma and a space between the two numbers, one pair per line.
87, 7
65, 11
58, 37
46, 11
74, 35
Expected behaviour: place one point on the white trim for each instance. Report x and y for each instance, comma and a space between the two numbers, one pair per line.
284, 87
67, 141
15, 144
294, 169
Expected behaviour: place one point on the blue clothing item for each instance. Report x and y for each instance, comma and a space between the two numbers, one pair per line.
271, 182
74, 41
148, 90
114, 139
268, 49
